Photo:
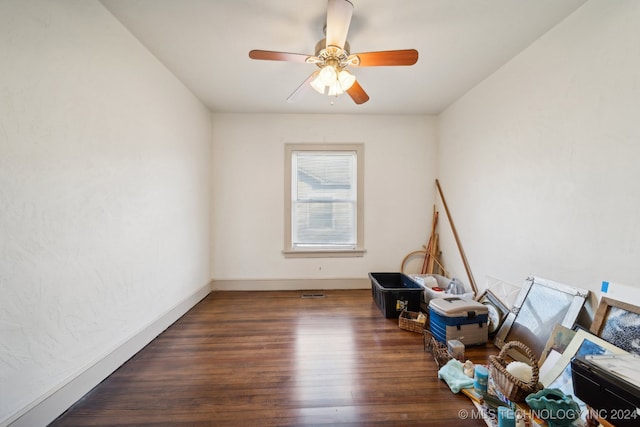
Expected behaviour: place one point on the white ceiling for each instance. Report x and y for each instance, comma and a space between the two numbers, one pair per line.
205, 43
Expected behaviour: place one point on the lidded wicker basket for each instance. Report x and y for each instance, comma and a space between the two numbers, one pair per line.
514, 388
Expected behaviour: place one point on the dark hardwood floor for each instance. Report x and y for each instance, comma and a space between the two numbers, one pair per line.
276, 359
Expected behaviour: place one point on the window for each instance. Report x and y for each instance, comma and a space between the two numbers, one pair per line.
324, 200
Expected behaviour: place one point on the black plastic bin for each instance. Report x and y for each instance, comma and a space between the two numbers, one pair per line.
394, 292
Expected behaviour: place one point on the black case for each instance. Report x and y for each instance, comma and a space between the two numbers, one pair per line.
394, 292
613, 398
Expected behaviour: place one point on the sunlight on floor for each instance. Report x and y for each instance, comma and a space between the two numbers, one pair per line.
326, 369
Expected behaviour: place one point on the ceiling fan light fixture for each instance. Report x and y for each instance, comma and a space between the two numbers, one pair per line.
332, 81
328, 75
346, 79
318, 85
335, 89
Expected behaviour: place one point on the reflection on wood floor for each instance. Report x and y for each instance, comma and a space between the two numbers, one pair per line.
276, 359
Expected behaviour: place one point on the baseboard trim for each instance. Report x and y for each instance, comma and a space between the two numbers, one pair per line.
48, 407
289, 284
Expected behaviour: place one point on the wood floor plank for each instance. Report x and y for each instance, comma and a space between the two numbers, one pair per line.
276, 359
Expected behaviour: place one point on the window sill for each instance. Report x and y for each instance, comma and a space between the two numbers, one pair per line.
351, 253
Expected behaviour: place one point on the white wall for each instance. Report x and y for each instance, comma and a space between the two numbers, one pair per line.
104, 193
248, 189
540, 162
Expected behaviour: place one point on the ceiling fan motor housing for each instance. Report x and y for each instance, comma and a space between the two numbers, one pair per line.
333, 55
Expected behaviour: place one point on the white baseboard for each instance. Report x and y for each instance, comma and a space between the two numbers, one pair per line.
290, 284
49, 407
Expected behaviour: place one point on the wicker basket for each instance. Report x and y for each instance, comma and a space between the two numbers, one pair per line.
426, 340
439, 351
513, 388
408, 320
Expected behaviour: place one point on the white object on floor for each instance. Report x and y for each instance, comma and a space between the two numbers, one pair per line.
520, 370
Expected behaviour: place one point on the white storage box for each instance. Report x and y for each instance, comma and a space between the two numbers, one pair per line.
435, 286
454, 318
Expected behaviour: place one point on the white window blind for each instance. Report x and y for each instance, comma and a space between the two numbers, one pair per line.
324, 200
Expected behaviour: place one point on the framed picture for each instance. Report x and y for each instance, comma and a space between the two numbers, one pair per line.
618, 323
558, 341
498, 311
541, 304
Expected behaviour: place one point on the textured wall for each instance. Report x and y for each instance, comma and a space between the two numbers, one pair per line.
248, 188
104, 193
540, 162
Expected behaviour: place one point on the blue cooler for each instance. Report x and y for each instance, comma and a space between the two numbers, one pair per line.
454, 318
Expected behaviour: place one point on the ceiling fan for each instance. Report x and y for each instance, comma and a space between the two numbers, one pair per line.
333, 57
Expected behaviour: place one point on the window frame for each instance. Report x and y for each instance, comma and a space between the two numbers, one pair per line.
289, 251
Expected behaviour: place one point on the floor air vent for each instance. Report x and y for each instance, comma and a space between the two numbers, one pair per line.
313, 295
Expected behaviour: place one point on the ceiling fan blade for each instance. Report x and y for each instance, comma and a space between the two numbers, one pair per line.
358, 94
278, 56
302, 89
388, 57
338, 20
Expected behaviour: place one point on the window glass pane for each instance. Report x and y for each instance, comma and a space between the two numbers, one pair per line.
330, 224
325, 176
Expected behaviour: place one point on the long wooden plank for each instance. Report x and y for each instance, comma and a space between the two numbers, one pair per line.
472, 281
429, 248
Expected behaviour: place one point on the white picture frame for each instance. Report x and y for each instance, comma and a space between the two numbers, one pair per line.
572, 350
541, 304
